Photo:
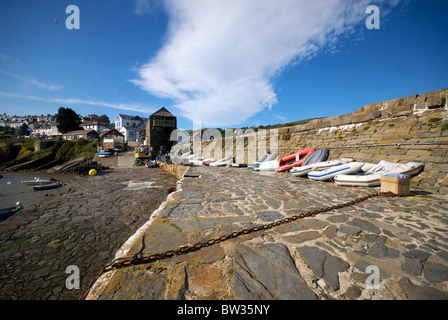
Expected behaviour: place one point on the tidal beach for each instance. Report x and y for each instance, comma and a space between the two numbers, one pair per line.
81, 224
12, 189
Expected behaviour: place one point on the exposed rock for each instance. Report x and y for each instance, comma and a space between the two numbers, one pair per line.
364, 225
352, 293
205, 281
417, 254
159, 237
435, 272
269, 215
412, 267
349, 230
380, 250
330, 232
324, 265
415, 292
302, 236
362, 266
267, 271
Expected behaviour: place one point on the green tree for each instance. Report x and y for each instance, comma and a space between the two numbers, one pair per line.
23, 130
104, 118
68, 120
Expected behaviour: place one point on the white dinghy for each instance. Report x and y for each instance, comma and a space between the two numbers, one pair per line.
302, 171
268, 156
372, 178
222, 162
187, 160
328, 174
267, 166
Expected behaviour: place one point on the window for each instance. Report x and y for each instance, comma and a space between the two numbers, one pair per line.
163, 122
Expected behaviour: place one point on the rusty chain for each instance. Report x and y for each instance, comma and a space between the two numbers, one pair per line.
135, 260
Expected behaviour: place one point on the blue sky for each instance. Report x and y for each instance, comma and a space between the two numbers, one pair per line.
225, 63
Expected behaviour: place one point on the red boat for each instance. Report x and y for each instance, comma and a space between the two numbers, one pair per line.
288, 162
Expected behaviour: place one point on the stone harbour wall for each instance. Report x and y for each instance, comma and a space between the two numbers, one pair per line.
413, 128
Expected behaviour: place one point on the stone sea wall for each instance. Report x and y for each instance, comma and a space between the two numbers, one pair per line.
413, 128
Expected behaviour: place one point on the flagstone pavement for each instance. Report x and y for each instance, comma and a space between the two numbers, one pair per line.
382, 248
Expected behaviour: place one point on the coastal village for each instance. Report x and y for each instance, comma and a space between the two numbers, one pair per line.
348, 207
132, 129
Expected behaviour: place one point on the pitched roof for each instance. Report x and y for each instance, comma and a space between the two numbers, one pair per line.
127, 117
133, 128
112, 132
163, 113
79, 132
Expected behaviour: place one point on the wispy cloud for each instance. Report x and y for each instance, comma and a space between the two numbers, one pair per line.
146, 6
76, 101
28, 80
223, 56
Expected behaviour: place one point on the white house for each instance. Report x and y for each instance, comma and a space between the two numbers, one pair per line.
99, 127
132, 127
122, 120
41, 130
133, 133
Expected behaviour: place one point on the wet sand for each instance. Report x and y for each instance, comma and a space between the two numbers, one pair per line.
81, 224
12, 189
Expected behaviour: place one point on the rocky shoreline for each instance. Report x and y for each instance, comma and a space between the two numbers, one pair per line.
82, 224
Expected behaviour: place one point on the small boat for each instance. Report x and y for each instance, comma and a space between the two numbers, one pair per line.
268, 156
222, 162
104, 154
57, 184
327, 175
317, 156
260, 160
267, 166
8, 212
372, 177
207, 162
188, 159
302, 171
237, 165
38, 181
293, 160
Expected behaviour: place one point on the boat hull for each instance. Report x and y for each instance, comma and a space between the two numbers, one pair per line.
47, 186
38, 182
288, 162
327, 175
222, 163
8, 212
373, 178
267, 166
303, 171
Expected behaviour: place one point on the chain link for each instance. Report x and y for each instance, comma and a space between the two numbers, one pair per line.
133, 261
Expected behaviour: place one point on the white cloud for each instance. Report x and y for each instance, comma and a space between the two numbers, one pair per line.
222, 56
76, 101
28, 80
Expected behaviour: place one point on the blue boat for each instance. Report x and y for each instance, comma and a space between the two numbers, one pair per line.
48, 186
8, 212
103, 154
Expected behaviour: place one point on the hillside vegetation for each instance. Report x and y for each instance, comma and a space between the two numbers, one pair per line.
16, 151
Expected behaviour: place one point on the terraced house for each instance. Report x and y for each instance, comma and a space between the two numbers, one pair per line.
132, 127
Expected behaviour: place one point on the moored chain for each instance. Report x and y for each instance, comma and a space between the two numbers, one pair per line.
132, 261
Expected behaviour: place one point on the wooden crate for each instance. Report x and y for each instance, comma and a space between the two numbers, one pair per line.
398, 186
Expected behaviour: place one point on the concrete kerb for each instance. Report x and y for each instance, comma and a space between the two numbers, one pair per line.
103, 280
